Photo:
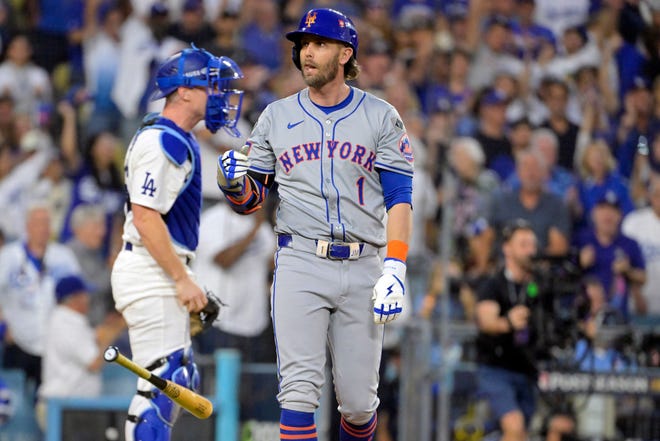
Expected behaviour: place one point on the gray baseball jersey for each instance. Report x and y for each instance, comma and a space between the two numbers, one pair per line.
326, 161
309, 150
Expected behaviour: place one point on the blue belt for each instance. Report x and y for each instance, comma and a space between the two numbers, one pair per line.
322, 248
129, 247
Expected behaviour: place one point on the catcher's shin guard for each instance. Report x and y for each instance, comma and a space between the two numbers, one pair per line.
152, 414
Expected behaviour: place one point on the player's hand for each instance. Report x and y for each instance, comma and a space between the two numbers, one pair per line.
232, 167
190, 295
389, 291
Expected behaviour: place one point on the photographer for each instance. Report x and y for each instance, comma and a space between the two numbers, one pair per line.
506, 366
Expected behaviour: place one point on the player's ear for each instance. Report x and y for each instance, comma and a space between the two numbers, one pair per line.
345, 54
183, 93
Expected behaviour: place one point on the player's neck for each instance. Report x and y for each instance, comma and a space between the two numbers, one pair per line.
330, 94
184, 119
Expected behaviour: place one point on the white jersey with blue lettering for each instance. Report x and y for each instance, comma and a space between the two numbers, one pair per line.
152, 180
325, 162
27, 293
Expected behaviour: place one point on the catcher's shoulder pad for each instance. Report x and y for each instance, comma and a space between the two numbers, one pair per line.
176, 147
149, 119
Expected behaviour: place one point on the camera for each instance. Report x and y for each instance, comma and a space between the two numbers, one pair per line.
559, 302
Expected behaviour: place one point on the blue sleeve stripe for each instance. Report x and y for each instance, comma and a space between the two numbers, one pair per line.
397, 188
388, 167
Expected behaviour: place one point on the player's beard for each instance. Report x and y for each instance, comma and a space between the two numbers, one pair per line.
324, 73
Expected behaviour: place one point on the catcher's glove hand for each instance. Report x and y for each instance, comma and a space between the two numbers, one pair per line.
202, 320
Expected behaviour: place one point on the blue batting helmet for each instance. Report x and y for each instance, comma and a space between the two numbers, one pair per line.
194, 67
327, 23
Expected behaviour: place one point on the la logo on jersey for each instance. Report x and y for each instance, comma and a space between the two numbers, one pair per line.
357, 154
148, 185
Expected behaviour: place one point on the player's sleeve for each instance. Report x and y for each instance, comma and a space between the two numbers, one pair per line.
397, 188
394, 151
154, 179
260, 176
262, 157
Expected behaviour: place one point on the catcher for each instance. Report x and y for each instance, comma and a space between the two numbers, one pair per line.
152, 283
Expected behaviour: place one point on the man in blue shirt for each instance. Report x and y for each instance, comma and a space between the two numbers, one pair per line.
616, 260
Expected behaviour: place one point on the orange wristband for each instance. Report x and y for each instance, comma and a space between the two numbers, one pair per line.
397, 249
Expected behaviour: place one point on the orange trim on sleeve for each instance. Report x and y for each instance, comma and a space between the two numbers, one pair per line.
247, 192
397, 249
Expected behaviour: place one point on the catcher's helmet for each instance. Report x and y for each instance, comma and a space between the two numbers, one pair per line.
324, 22
194, 67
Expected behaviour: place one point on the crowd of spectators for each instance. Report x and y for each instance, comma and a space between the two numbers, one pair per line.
545, 110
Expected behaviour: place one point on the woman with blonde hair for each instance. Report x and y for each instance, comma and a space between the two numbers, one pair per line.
598, 176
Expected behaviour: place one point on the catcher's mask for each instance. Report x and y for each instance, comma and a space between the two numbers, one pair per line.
324, 22
195, 67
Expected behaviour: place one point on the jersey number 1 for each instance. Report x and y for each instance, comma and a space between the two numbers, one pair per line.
360, 189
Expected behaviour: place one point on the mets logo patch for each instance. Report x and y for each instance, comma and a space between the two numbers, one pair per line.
405, 148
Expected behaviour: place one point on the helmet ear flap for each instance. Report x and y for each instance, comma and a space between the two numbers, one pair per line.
295, 56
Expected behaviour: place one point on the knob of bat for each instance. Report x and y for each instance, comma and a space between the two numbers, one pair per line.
111, 353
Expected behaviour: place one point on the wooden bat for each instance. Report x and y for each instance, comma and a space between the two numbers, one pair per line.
184, 397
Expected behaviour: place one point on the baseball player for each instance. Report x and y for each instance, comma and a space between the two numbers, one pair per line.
342, 160
153, 286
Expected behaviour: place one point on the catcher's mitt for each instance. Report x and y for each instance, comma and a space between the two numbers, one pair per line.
202, 320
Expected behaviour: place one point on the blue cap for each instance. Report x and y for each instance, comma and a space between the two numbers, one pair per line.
159, 9
68, 286
327, 23
494, 97
192, 5
609, 198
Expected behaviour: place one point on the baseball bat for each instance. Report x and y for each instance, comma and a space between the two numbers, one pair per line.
184, 397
